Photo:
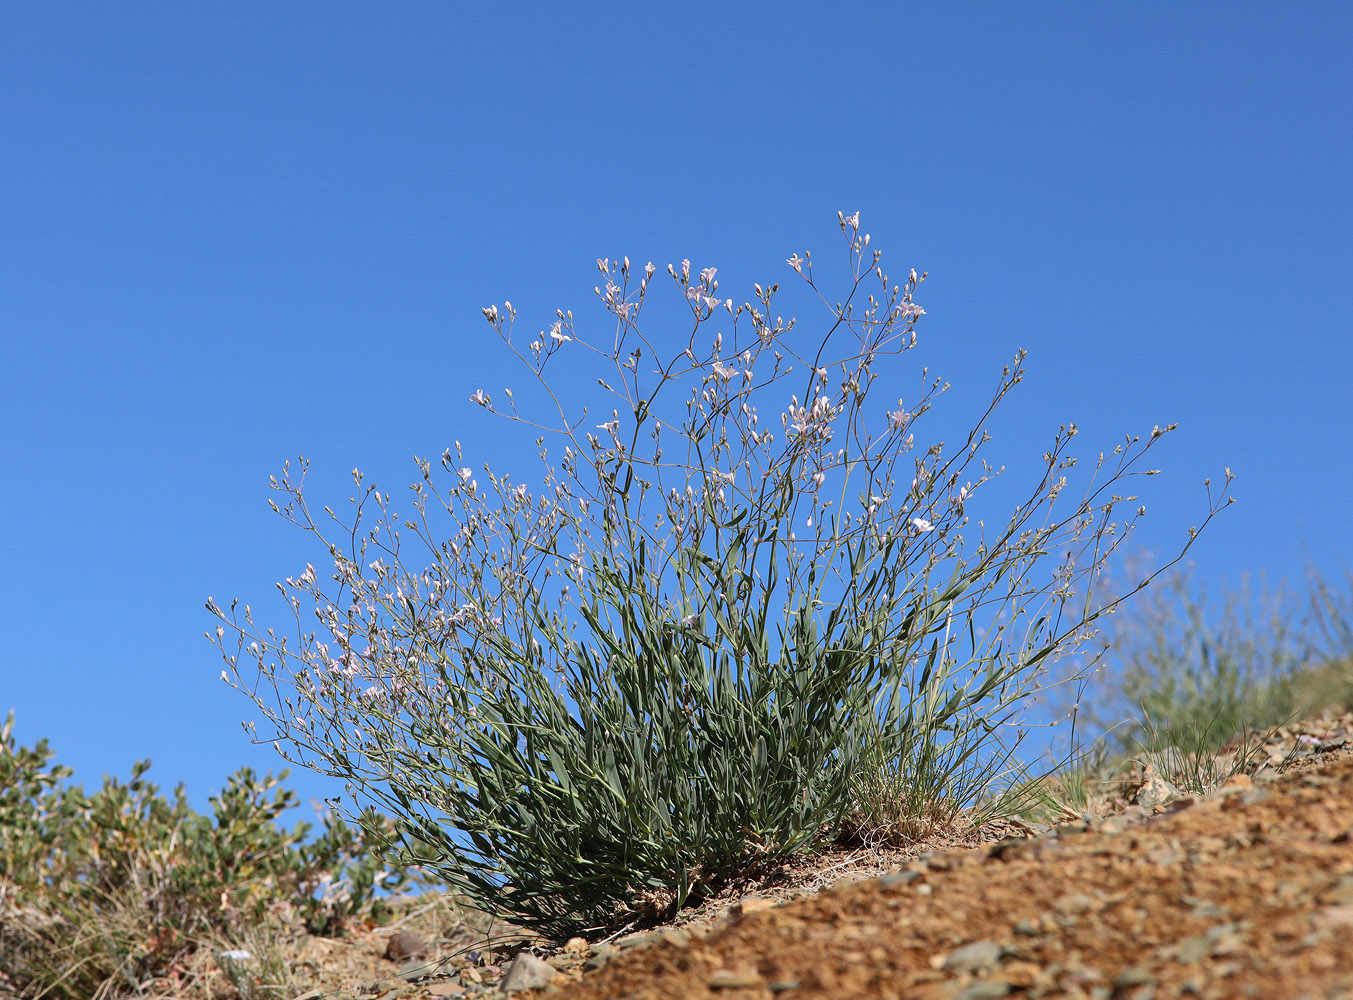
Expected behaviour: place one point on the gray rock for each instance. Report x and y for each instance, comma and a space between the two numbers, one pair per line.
972, 957
526, 973
404, 945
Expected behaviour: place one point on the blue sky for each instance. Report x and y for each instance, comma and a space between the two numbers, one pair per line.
234, 234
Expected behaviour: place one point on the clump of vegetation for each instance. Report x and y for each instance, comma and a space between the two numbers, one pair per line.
1192, 685
590, 702
108, 893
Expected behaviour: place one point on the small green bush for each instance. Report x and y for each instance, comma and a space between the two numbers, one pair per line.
1186, 671
1186, 675
101, 893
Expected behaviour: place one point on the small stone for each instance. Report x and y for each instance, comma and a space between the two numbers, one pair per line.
972, 957
404, 945
985, 989
1072, 902
601, 954
1154, 790
731, 979
1193, 949
898, 878
527, 972
1131, 977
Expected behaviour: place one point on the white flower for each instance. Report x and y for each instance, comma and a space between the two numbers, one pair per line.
921, 525
236, 955
491, 314
224, 677
480, 397
722, 371
796, 262
690, 620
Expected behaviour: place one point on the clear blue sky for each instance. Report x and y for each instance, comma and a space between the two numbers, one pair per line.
235, 233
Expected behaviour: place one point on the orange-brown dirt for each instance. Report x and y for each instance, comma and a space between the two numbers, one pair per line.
1246, 892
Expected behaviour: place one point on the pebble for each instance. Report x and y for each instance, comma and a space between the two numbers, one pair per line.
973, 957
731, 979
527, 972
404, 945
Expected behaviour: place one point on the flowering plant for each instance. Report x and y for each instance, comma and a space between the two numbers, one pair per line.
598, 700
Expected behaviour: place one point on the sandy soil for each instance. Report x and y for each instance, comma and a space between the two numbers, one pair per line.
1246, 892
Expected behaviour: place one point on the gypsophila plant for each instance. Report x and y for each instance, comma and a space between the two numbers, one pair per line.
598, 698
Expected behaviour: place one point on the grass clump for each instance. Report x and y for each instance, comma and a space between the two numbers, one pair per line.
1193, 686
124, 891
593, 701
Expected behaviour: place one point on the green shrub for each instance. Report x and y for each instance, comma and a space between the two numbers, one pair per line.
106, 891
1186, 675
584, 715
1190, 672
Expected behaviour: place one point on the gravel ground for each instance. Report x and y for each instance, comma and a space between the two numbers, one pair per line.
1245, 892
